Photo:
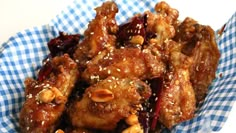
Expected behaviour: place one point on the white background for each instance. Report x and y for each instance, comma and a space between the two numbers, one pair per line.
17, 15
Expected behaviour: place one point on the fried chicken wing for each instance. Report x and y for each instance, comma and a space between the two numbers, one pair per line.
99, 35
200, 44
47, 96
163, 22
128, 62
104, 104
160, 28
177, 97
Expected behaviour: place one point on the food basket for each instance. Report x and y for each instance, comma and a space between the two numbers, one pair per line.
21, 56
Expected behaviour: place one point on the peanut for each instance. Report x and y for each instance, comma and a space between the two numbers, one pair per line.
56, 91
46, 96
59, 131
59, 98
133, 129
138, 39
132, 119
102, 95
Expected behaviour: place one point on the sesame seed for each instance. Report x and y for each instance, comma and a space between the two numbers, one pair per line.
106, 57
197, 68
118, 70
87, 62
145, 51
89, 94
150, 110
104, 28
170, 95
109, 71
141, 109
92, 77
131, 82
100, 68
138, 31
113, 21
167, 110
117, 82
47, 85
115, 86
156, 98
77, 61
36, 86
29, 96
111, 87
166, 40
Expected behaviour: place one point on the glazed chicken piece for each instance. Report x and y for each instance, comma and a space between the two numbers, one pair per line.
47, 96
121, 63
177, 98
99, 35
149, 30
160, 28
200, 44
104, 104
162, 23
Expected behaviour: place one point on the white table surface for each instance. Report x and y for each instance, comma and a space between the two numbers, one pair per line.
17, 15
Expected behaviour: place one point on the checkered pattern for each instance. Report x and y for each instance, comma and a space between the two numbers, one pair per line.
78, 15
21, 57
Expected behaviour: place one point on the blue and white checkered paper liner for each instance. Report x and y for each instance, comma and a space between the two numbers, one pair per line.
21, 57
